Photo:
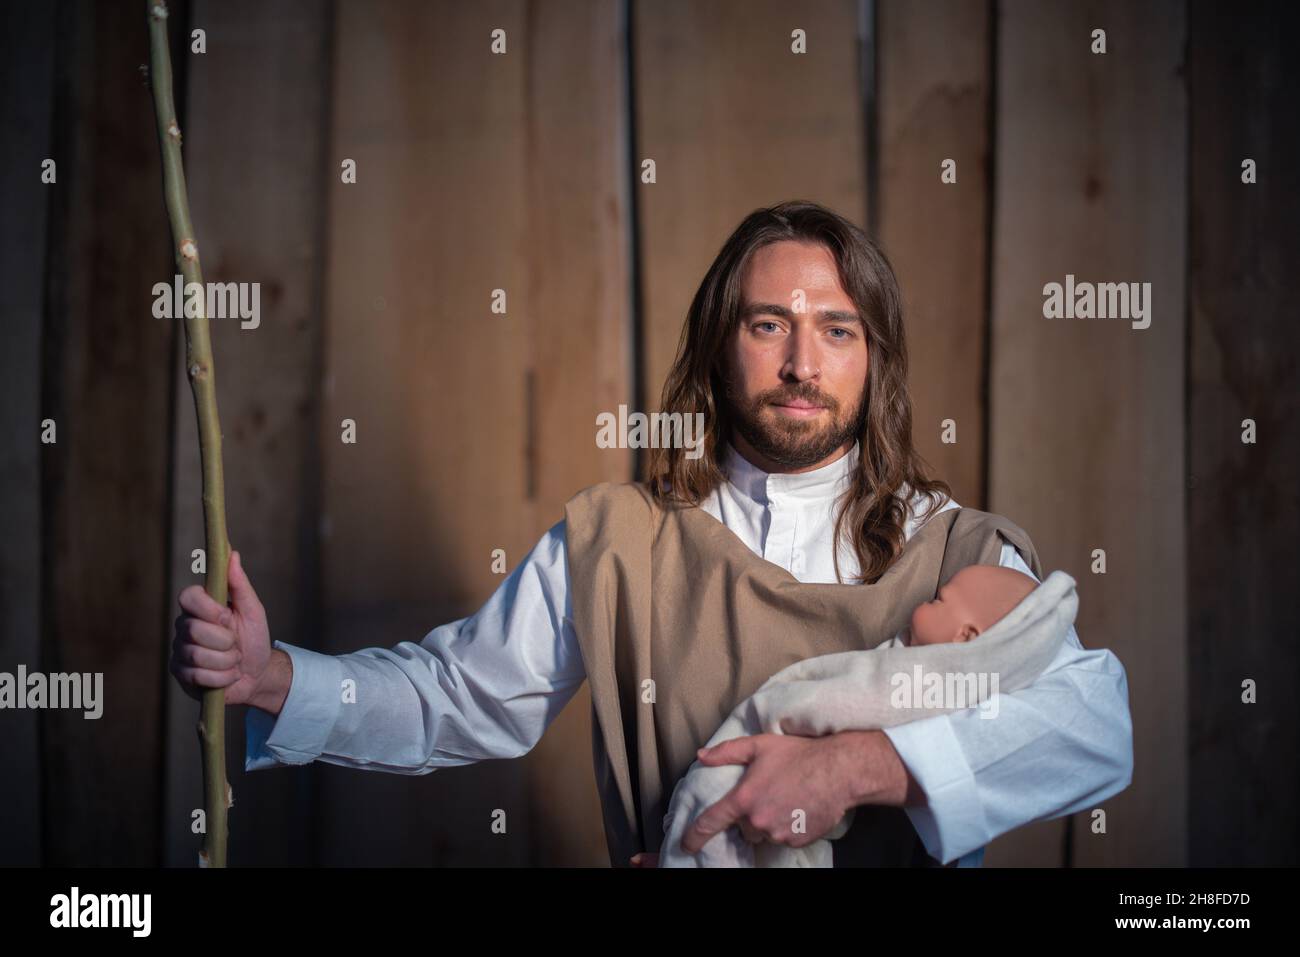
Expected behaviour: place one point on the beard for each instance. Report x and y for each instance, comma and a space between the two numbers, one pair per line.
789, 442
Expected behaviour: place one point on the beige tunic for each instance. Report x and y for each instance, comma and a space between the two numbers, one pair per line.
678, 621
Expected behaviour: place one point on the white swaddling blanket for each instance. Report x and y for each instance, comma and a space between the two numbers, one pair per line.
865, 690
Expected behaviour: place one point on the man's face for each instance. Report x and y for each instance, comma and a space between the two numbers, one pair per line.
795, 367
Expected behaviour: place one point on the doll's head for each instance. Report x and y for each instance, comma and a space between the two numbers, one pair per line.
969, 604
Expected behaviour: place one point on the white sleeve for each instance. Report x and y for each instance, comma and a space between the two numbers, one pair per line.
483, 687
1062, 744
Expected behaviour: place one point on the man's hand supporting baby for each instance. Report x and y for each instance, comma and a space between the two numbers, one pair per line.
823, 777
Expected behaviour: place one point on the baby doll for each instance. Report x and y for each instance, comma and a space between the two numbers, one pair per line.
975, 599
987, 620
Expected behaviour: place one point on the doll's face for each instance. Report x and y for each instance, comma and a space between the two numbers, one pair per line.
974, 601
971, 603
950, 617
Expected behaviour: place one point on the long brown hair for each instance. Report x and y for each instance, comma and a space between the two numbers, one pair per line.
873, 511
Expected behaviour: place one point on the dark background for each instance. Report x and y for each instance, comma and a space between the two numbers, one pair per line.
522, 172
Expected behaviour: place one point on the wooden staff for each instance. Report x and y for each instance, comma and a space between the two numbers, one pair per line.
217, 796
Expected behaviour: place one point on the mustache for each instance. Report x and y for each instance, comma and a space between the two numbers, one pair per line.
805, 391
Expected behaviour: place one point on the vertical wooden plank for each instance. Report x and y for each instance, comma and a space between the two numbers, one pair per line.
108, 378
475, 172
255, 157
577, 265
27, 43
1087, 421
1242, 509
735, 121
434, 381
933, 104
934, 79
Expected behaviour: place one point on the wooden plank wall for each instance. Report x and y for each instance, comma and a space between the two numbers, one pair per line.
1086, 415
443, 391
933, 87
107, 382
27, 54
578, 269
1242, 513
255, 155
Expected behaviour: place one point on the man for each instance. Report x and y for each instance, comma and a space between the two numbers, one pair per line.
794, 350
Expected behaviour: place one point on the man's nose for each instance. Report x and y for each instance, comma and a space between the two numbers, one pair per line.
803, 361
